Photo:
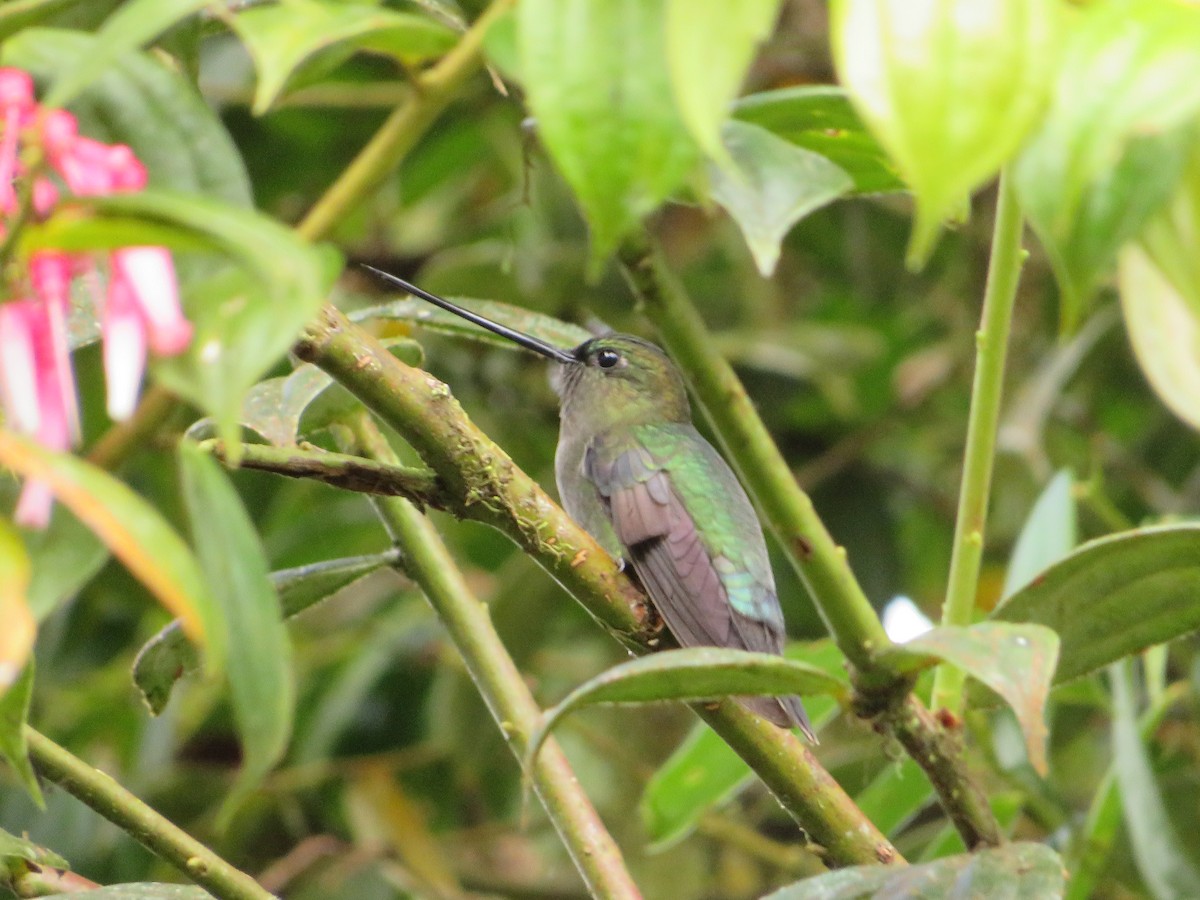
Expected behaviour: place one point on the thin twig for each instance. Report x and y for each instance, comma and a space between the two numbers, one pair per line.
123, 809
499, 681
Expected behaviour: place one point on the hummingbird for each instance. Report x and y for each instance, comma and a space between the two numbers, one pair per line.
635, 473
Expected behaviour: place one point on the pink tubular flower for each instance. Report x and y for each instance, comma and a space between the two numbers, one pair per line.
38, 389
139, 308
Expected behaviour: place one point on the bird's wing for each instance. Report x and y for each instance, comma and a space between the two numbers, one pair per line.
710, 589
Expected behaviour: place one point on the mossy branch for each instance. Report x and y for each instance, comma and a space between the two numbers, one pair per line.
489, 488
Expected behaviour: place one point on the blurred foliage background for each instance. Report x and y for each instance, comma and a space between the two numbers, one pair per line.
861, 370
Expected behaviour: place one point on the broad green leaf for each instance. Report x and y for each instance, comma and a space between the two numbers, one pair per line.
1172, 236
1049, 534
769, 184
820, 118
1115, 596
168, 656
596, 77
547, 328
245, 318
281, 37
1115, 141
1019, 871
1092, 845
259, 651
14, 712
950, 87
1005, 806
135, 23
710, 45
895, 795
139, 891
20, 627
132, 530
1164, 330
705, 772
13, 848
65, 557
275, 408
1015, 661
1161, 857
142, 102
697, 673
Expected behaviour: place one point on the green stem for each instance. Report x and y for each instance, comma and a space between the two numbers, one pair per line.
434, 90
123, 809
489, 488
430, 565
1004, 271
818, 560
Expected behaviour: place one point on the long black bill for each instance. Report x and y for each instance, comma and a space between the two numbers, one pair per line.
527, 341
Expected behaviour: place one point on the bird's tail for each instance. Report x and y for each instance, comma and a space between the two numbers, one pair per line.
786, 712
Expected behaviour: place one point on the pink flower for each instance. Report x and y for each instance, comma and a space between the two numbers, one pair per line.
37, 387
139, 309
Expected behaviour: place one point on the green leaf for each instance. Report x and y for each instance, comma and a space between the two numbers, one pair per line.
1164, 330
134, 24
168, 656
705, 772
1005, 806
14, 713
65, 556
260, 654
142, 102
139, 891
132, 529
1092, 845
1171, 237
18, 15
245, 318
1023, 871
281, 409
15, 849
709, 48
546, 328
1116, 138
281, 37
697, 673
1160, 856
1115, 596
950, 89
596, 78
895, 795
769, 185
1049, 534
821, 119
20, 627
1015, 661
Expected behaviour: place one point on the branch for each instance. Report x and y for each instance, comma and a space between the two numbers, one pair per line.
490, 489
127, 812
351, 473
434, 90
429, 564
818, 560
1004, 271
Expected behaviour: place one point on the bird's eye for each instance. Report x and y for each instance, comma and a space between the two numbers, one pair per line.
606, 359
